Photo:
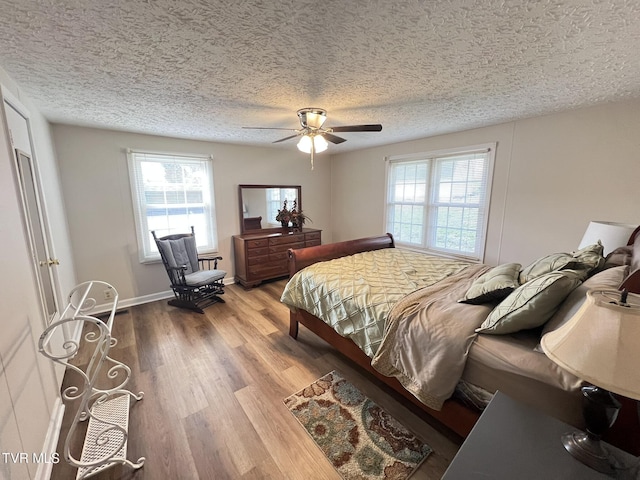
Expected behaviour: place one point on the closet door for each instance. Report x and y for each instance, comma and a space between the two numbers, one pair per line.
44, 261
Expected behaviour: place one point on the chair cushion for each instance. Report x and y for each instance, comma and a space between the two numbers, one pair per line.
204, 277
180, 252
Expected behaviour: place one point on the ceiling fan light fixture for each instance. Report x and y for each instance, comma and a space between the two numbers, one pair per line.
312, 117
304, 145
318, 141
313, 137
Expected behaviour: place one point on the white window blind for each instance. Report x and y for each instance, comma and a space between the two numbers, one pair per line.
170, 194
439, 201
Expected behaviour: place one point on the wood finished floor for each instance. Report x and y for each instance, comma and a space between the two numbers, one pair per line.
214, 386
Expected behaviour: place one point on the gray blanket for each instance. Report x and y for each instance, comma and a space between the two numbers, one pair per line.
428, 335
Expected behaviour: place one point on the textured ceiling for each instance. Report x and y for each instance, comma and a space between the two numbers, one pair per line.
204, 68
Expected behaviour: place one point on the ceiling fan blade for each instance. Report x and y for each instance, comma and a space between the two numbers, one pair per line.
358, 128
286, 138
270, 128
333, 138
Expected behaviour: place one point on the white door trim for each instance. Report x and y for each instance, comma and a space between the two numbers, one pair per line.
9, 99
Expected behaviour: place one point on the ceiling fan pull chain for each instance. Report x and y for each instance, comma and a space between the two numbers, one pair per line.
313, 151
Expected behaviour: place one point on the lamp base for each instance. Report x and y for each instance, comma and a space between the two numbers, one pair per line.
589, 451
600, 412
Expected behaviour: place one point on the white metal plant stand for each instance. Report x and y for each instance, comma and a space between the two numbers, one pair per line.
104, 401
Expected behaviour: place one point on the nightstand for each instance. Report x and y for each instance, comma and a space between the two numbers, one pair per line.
514, 441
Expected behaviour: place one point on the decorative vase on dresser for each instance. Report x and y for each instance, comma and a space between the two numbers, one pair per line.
262, 255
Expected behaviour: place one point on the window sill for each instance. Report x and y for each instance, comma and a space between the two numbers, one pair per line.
437, 253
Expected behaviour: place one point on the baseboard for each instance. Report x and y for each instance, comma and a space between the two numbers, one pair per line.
51, 442
132, 302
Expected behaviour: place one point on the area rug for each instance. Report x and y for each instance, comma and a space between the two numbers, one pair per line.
359, 438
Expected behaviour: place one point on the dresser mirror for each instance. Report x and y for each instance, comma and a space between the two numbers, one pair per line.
259, 204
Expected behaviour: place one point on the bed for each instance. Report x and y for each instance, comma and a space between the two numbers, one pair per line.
475, 360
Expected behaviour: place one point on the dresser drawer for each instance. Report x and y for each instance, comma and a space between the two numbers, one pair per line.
312, 236
257, 260
257, 252
258, 242
279, 256
285, 247
268, 270
312, 243
286, 239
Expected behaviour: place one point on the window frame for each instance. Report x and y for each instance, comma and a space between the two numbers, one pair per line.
432, 157
147, 251
273, 206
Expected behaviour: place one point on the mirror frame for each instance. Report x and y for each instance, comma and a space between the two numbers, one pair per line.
240, 203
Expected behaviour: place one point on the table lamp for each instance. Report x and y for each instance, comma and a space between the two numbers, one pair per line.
611, 234
601, 345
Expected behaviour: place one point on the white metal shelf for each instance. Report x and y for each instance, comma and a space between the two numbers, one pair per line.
106, 406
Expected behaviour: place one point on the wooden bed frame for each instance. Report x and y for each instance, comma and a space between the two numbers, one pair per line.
632, 282
454, 415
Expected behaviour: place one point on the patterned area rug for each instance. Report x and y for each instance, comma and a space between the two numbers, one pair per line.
361, 440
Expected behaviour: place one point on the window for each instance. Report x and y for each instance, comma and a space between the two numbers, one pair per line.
275, 201
170, 194
439, 201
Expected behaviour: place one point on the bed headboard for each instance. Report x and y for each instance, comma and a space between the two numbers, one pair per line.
303, 257
632, 282
634, 236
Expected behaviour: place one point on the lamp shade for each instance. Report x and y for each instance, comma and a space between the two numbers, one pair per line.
601, 343
611, 234
304, 145
318, 141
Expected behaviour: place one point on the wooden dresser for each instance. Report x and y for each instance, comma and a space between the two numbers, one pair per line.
262, 255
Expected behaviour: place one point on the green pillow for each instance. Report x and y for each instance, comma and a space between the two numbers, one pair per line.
546, 264
590, 258
496, 284
596, 248
585, 260
531, 304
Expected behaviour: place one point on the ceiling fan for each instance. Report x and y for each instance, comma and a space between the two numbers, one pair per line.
314, 137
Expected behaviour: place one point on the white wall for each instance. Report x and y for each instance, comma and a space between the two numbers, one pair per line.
97, 196
568, 169
28, 383
553, 174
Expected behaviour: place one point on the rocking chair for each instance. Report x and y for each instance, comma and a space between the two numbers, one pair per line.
193, 286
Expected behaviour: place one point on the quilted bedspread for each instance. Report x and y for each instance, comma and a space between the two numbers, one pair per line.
355, 294
428, 336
